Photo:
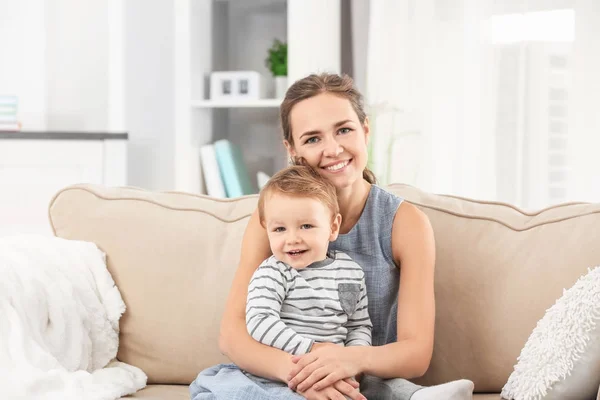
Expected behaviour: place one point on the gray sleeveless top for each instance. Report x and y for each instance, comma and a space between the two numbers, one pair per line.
369, 243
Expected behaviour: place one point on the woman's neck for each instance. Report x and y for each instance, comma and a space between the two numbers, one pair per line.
352, 201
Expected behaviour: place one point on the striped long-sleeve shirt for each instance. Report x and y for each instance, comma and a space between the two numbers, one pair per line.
292, 308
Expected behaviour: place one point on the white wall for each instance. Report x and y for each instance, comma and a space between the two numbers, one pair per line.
321, 40
77, 67
23, 66
71, 63
584, 125
62, 59
149, 92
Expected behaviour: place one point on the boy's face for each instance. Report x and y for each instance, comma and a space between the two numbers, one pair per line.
299, 229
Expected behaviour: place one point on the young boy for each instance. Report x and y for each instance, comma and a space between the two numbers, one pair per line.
302, 294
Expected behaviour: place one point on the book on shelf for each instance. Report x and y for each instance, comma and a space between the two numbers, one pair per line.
8, 100
8, 110
234, 173
16, 127
9, 121
210, 170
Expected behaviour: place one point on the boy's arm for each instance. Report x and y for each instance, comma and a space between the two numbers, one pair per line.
359, 324
266, 292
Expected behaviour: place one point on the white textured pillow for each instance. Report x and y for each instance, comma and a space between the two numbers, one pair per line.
561, 359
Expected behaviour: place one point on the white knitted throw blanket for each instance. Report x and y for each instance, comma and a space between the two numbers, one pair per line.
59, 323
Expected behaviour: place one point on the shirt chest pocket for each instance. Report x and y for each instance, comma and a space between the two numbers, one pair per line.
349, 296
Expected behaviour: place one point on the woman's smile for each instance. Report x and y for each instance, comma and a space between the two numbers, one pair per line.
338, 166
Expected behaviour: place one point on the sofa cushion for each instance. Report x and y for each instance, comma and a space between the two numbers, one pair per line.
163, 392
173, 257
176, 392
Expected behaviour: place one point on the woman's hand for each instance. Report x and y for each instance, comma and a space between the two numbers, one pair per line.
346, 387
325, 365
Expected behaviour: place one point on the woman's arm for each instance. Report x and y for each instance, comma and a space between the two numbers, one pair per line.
413, 247
234, 340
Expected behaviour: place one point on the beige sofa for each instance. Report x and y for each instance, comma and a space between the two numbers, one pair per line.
173, 256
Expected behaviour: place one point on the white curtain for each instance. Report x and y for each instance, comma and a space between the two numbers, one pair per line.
489, 99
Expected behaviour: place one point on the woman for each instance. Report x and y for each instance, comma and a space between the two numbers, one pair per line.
325, 126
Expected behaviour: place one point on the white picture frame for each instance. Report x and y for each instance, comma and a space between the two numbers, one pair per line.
235, 85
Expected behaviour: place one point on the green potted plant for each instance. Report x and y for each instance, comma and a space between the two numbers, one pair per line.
276, 61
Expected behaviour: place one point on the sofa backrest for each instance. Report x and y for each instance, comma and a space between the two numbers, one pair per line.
173, 256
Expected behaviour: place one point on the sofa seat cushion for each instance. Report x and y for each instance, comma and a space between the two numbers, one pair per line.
162, 392
181, 392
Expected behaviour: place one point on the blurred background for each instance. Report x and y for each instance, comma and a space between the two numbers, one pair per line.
491, 99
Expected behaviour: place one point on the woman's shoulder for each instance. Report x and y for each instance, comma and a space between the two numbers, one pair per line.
411, 227
403, 209
410, 215
384, 193
383, 203
382, 196
407, 219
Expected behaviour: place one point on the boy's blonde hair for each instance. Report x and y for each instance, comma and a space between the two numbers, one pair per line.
300, 181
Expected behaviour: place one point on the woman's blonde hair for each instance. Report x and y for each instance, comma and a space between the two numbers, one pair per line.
299, 181
312, 85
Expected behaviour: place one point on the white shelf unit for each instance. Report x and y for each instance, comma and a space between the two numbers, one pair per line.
260, 103
219, 35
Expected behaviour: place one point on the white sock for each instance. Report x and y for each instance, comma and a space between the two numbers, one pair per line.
455, 390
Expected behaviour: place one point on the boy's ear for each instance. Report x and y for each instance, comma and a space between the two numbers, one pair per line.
335, 227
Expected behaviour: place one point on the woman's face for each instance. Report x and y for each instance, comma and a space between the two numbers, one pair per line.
329, 136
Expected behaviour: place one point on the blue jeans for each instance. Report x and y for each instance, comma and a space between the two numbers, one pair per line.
228, 382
